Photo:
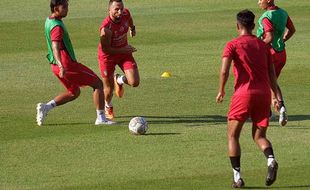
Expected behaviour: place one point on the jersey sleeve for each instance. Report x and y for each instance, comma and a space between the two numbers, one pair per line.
267, 24
229, 50
57, 33
289, 23
126, 12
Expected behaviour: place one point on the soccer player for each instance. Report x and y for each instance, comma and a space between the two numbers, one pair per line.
275, 27
113, 50
254, 77
65, 67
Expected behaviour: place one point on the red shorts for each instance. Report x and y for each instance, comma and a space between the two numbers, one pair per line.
256, 107
278, 59
124, 61
77, 75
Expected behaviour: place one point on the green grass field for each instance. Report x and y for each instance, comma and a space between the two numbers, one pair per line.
185, 147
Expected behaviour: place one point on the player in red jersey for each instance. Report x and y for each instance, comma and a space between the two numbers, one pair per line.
254, 76
275, 28
65, 67
113, 50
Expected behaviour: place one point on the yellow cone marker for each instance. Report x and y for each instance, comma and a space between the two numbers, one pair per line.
166, 74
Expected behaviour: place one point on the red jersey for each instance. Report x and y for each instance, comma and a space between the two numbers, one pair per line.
119, 31
251, 60
57, 35
77, 75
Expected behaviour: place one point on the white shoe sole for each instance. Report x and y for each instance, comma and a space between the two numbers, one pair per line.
40, 111
107, 122
283, 119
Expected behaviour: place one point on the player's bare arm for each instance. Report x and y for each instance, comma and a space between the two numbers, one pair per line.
289, 32
105, 40
268, 37
56, 52
224, 74
132, 28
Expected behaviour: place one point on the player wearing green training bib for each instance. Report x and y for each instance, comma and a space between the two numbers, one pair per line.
65, 67
275, 27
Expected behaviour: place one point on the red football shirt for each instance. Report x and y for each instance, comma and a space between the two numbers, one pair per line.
119, 31
57, 35
251, 60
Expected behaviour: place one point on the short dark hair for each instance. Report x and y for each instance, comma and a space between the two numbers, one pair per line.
55, 3
246, 18
111, 1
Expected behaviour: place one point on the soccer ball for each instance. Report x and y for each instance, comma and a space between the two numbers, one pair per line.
138, 126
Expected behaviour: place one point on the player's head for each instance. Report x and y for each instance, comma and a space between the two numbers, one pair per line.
264, 4
116, 8
245, 19
59, 7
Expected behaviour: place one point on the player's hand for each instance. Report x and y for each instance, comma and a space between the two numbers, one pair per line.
220, 97
129, 49
132, 33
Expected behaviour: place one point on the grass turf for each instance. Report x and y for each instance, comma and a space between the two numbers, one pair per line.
185, 147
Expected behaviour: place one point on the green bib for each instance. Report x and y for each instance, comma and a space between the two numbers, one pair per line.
278, 18
49, 25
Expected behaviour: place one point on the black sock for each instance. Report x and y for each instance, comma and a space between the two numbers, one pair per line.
235, 162
269, 152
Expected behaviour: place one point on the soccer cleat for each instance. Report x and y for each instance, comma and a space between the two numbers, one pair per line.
41, 113
272, 173
283, 116
119, 89
239, 184
109, 112
104, 122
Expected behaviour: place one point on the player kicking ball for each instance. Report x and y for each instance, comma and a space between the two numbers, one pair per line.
65, 67
113, 50
254, 76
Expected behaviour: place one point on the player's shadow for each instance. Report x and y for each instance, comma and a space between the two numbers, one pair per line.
278, 187
298, 117
188, 120
161, 134
68, 124
293, 121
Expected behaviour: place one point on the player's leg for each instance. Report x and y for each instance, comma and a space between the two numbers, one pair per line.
88, 77
259, 136
108, 84
282, 109
98, 96
260, 108
131, 75
234, 151
237, 115
60, 99
71, 94
107, 68
279, 59
73, 90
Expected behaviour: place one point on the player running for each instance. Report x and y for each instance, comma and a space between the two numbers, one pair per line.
65, 67
254, 76
113, 50
275, 27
